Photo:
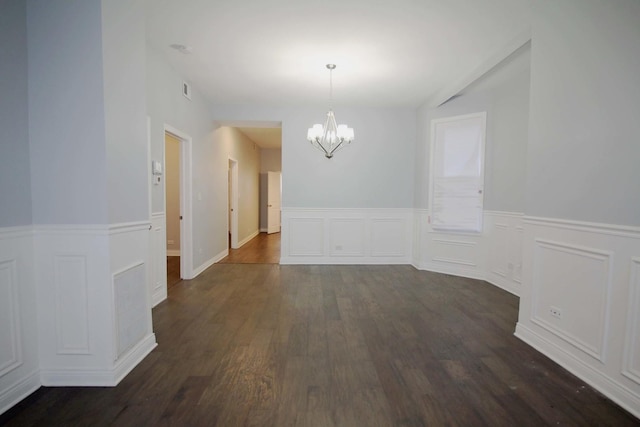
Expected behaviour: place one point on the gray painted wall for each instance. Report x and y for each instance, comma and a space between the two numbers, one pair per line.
124, 50
166, 105
504, 95
375, 171
247, 154
585, 112
15, 187
66, 112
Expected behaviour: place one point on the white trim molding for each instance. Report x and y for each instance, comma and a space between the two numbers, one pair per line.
14, 393
248, 238
158, 258
209, 263
580, 304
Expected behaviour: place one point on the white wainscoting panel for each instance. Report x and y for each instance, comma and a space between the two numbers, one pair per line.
133, 336
453, 250
305, 236
131, 307
71, 302
503, 234
562, 273
346, 236
158, 258
579, 302
494, 255
631, 367
10, 345
77, 312
19, 375
388, 237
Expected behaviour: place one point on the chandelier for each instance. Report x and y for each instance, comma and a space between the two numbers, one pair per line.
330, 137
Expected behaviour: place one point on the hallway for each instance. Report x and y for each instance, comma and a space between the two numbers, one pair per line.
262, 249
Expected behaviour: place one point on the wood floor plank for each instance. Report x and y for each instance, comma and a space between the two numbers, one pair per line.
270, 345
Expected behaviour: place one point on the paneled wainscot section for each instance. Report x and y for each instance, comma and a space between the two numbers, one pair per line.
346, 236
580, 302
494, 255
19, 372
94, 308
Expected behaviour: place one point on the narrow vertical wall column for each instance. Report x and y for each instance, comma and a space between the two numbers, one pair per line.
89, 190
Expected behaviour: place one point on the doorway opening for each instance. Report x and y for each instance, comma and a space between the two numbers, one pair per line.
232, 206
172, 206
177, 199
254, 176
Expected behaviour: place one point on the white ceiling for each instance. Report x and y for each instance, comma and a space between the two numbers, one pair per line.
399, 53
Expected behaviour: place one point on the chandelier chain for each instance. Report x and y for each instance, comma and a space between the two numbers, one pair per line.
331, 88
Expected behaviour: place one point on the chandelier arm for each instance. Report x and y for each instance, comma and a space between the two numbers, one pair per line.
334, 149
319, 146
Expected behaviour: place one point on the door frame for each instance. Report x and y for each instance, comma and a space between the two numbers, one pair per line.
186, 224
232, 201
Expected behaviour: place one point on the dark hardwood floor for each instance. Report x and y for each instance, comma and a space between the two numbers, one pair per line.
271, 345
262, 249
173, 270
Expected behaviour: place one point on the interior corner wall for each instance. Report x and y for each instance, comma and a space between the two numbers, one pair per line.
172, 189
240, 148
15, 180
270, 161
167, 106
580, 300
495, 254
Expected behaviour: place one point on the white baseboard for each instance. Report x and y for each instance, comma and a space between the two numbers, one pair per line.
210, 262
247, 239
131, 359
596, 379
264, 230
342, 261
173, 252
454, 271
19, 391
99, 377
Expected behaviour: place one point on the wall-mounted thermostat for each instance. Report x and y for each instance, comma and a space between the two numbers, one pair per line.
156, 167
156, 170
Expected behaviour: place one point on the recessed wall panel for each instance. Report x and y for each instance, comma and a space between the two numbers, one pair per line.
454, 251
347, 237
388, 237
306, 237
72, 320
570, 293
131, 306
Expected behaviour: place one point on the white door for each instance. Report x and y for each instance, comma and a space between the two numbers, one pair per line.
273, 202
